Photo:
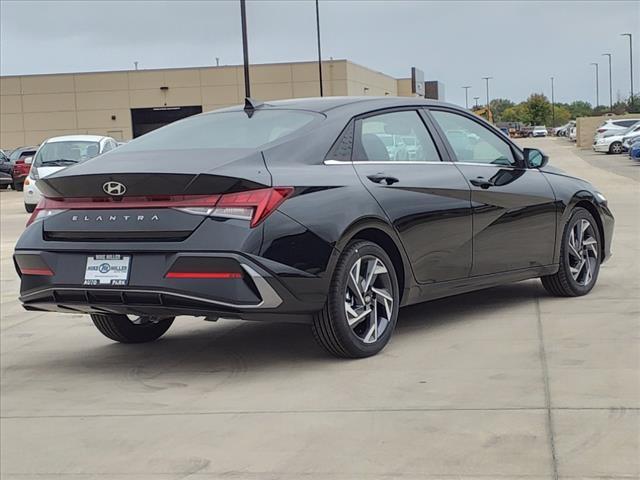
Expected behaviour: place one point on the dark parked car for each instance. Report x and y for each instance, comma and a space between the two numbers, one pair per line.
5, 170
20, 160
295, 210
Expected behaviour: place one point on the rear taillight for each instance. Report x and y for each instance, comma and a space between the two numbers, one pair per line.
252, 205
600, 130
41, 212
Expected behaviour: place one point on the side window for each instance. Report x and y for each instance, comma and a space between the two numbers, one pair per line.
395, 136
472, 142
107, 146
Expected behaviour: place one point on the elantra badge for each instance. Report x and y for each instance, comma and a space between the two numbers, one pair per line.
115, 189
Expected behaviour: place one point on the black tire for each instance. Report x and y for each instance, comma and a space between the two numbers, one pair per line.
330, 325
18, 187
562, 283
29, 207
123, 330
4, 186
615, 147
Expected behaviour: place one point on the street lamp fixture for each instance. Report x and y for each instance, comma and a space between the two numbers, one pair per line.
631, 98
553, 106
610, 87
466, 96
486, 79
597, 87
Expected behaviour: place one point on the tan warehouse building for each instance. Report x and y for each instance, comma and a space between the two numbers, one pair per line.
126, 104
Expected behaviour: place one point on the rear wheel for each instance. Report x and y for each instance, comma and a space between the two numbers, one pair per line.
131, 329
615, 147
579, 257
4, 186
29, 207
362, 306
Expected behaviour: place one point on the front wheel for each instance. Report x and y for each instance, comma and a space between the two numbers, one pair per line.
361, 311
579, 257
130, 329
615, 147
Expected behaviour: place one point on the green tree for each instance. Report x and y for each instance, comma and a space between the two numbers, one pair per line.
563, 115
539, 109
580, 109
498, 106
517, 113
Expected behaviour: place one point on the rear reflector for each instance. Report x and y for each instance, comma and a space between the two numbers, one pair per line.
210, 275
37, 271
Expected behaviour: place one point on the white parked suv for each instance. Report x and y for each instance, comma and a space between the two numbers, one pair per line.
539, 131
614, 127
58, 153
614, 142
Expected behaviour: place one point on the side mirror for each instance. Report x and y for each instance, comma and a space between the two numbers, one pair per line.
534, 158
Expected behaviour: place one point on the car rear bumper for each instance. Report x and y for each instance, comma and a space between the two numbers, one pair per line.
603, 148
257, 294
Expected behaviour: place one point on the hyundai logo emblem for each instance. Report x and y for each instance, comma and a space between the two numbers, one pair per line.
115, 189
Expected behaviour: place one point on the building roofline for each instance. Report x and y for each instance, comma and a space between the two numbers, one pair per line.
335, 60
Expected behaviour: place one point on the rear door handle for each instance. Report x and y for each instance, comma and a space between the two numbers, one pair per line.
381, 177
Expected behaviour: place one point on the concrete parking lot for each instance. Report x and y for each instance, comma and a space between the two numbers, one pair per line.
504, 383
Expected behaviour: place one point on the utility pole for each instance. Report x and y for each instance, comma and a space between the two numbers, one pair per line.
610, 87
466, 97
486, 79
476, 99
553, 106
245, 49
597, 88
135, 64
631, 98
319, 54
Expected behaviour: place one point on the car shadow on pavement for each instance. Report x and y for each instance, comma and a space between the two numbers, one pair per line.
235, 346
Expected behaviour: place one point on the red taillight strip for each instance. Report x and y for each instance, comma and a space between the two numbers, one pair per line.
151, 201
37, 271
218, 275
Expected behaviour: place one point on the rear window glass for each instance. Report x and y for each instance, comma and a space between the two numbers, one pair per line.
65, 153
223, 130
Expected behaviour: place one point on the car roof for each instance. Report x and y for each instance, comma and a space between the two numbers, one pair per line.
325, 104
76, 138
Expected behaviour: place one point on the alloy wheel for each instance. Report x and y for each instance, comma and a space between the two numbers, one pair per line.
616, 147
143, 319
583, 252
368, 298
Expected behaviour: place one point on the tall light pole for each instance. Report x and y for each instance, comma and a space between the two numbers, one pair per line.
319, 54
610, 87
597, 87
476, 99
631, 98
245, 49
486, 79
466, 96
553, 106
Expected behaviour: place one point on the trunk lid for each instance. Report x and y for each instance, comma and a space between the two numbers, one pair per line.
152, 173
156, 185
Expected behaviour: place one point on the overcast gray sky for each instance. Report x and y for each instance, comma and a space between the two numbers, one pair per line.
520, 44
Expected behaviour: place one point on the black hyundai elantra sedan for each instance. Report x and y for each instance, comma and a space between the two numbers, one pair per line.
332, 211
